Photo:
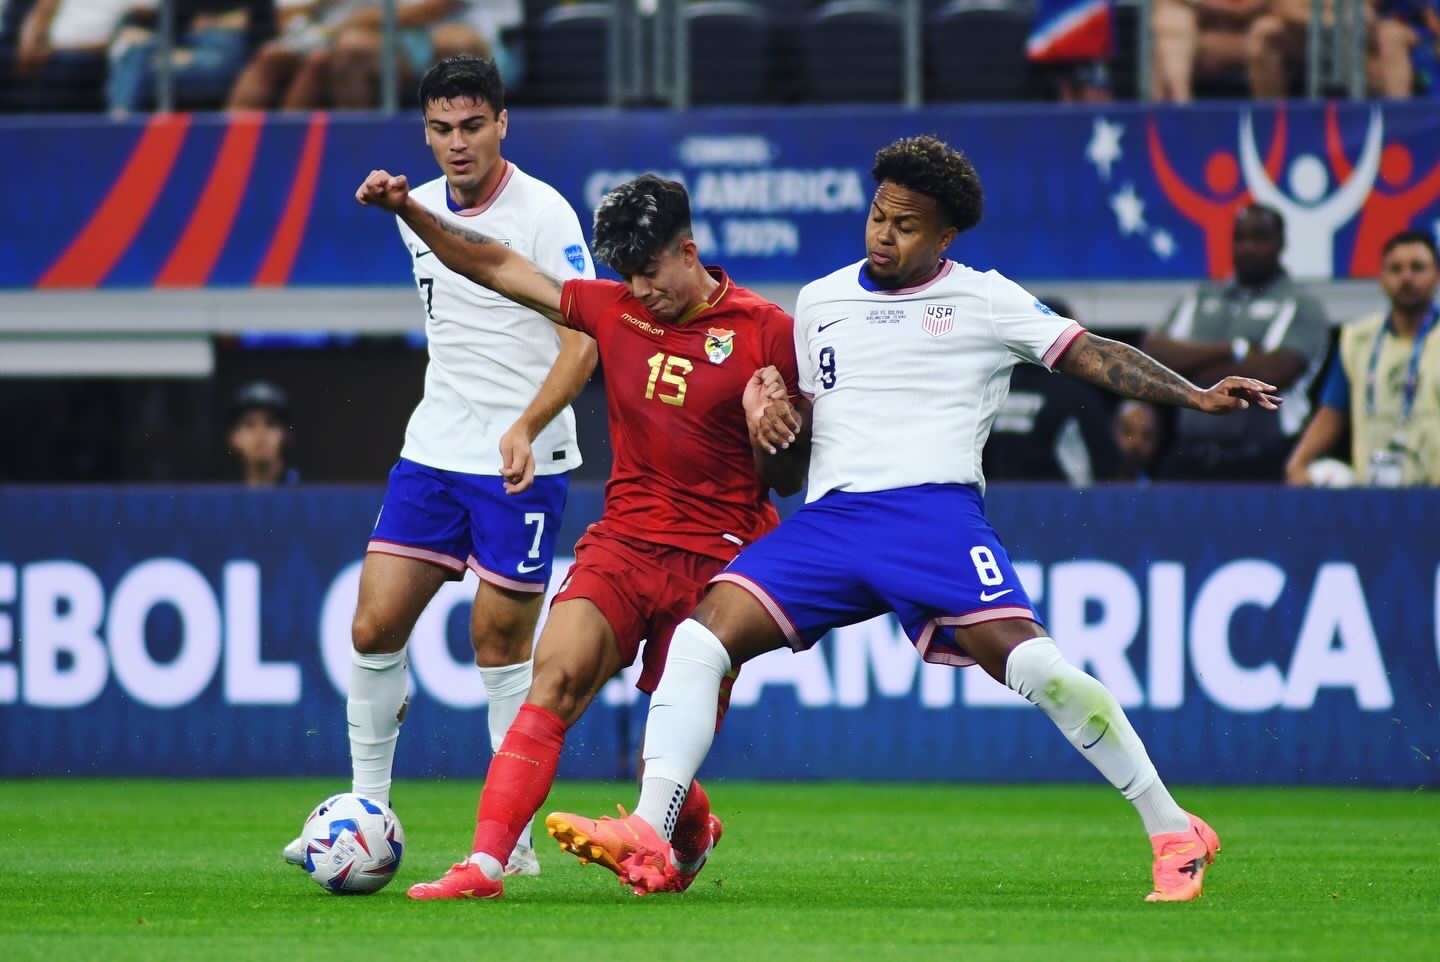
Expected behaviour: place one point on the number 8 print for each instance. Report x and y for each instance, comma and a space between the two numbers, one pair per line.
986, 566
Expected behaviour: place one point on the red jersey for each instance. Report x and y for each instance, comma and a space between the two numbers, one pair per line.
683, 472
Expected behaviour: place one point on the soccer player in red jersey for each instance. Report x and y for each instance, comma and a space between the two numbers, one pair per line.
680, 343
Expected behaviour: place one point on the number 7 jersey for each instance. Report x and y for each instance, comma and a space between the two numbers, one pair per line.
683, 472
906, 383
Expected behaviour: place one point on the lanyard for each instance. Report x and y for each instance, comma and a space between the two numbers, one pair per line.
1412, 373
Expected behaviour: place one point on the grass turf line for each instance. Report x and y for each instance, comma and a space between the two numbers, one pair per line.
190, 870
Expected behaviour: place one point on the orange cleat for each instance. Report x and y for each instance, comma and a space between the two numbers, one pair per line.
465, 880
1180, 860
628, 846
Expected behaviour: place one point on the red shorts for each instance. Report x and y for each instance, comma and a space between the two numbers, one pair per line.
644, 590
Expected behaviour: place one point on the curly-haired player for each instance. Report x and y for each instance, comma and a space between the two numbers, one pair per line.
906, 357
680, 344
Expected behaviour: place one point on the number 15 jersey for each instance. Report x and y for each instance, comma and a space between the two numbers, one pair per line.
683, 472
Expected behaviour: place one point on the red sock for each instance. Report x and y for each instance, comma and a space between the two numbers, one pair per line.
692, 825
520, 777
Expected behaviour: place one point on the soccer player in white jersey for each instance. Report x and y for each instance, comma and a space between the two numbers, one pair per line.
905, 358
483, 474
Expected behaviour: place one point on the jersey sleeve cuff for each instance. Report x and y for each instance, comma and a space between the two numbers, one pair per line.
1061, 344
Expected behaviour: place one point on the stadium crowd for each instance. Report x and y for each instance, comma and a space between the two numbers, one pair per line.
322, 54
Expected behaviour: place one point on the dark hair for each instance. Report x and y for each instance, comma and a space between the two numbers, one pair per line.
1277, 220
455, 78
929, 166
260, 396
1412, 237
639, 219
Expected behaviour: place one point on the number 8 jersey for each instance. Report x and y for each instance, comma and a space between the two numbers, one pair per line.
906, 383
683, 472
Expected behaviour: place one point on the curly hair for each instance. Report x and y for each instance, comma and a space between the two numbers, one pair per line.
929, 166
455, 78
639, 219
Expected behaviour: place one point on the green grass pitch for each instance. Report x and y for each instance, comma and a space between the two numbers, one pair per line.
191, 870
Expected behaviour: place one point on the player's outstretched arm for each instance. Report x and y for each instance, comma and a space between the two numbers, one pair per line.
482, 259
779, 427
1126, 371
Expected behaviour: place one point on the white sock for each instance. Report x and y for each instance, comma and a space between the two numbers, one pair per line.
372, 708
488, 864
681, 722
507, 687
1090, 717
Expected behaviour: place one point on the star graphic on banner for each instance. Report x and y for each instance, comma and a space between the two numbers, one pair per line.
1104, 147
1129, 210
1162, 243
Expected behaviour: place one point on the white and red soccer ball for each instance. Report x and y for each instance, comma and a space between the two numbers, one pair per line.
353, 844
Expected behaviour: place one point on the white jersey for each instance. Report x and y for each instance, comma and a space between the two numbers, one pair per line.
906, 383
489, 355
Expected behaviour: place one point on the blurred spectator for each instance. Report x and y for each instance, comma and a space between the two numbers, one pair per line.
213, 42
59, 57
1135, 430
1259, 324
430, 31
260, 435
1393, 44
1049, 428
293, 70
1384, 384
1199, 38
1407, 48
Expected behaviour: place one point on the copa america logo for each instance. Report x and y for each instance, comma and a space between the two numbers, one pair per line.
1319, 187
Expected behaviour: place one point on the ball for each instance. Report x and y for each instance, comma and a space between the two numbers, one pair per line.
353, 844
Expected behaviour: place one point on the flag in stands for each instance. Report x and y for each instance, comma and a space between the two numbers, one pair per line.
1070, 30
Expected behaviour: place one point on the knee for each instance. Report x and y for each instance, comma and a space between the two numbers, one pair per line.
559, 689
1393, 38
1265, 36
503, 639
455, 39
371, 636
1173, 20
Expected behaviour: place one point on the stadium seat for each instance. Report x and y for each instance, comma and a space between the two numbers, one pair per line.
565, 55
729, 53
975, 52
851, 51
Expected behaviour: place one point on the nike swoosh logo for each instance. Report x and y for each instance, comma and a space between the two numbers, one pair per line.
525, 568
1178, 851
420, 254
821, 327
991, 596
1097, 738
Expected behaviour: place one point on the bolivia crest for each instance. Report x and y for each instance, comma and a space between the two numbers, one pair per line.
719, 343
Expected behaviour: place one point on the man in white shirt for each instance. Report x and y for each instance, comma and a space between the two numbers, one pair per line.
482, 477
906, 357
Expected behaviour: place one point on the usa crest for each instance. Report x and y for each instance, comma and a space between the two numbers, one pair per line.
719, 343
938, 320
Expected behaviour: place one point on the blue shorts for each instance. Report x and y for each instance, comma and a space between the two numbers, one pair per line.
454, 519
926, 553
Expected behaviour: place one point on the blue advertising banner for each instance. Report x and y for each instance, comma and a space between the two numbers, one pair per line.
1254, 635
1107, 192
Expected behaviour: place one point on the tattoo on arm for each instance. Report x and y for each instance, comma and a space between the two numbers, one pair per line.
1121, 368
505, 276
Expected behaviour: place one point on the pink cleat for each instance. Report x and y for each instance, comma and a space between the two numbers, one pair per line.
465, 880
1180, 860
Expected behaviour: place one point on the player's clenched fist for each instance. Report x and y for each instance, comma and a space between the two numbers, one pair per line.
383, 189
